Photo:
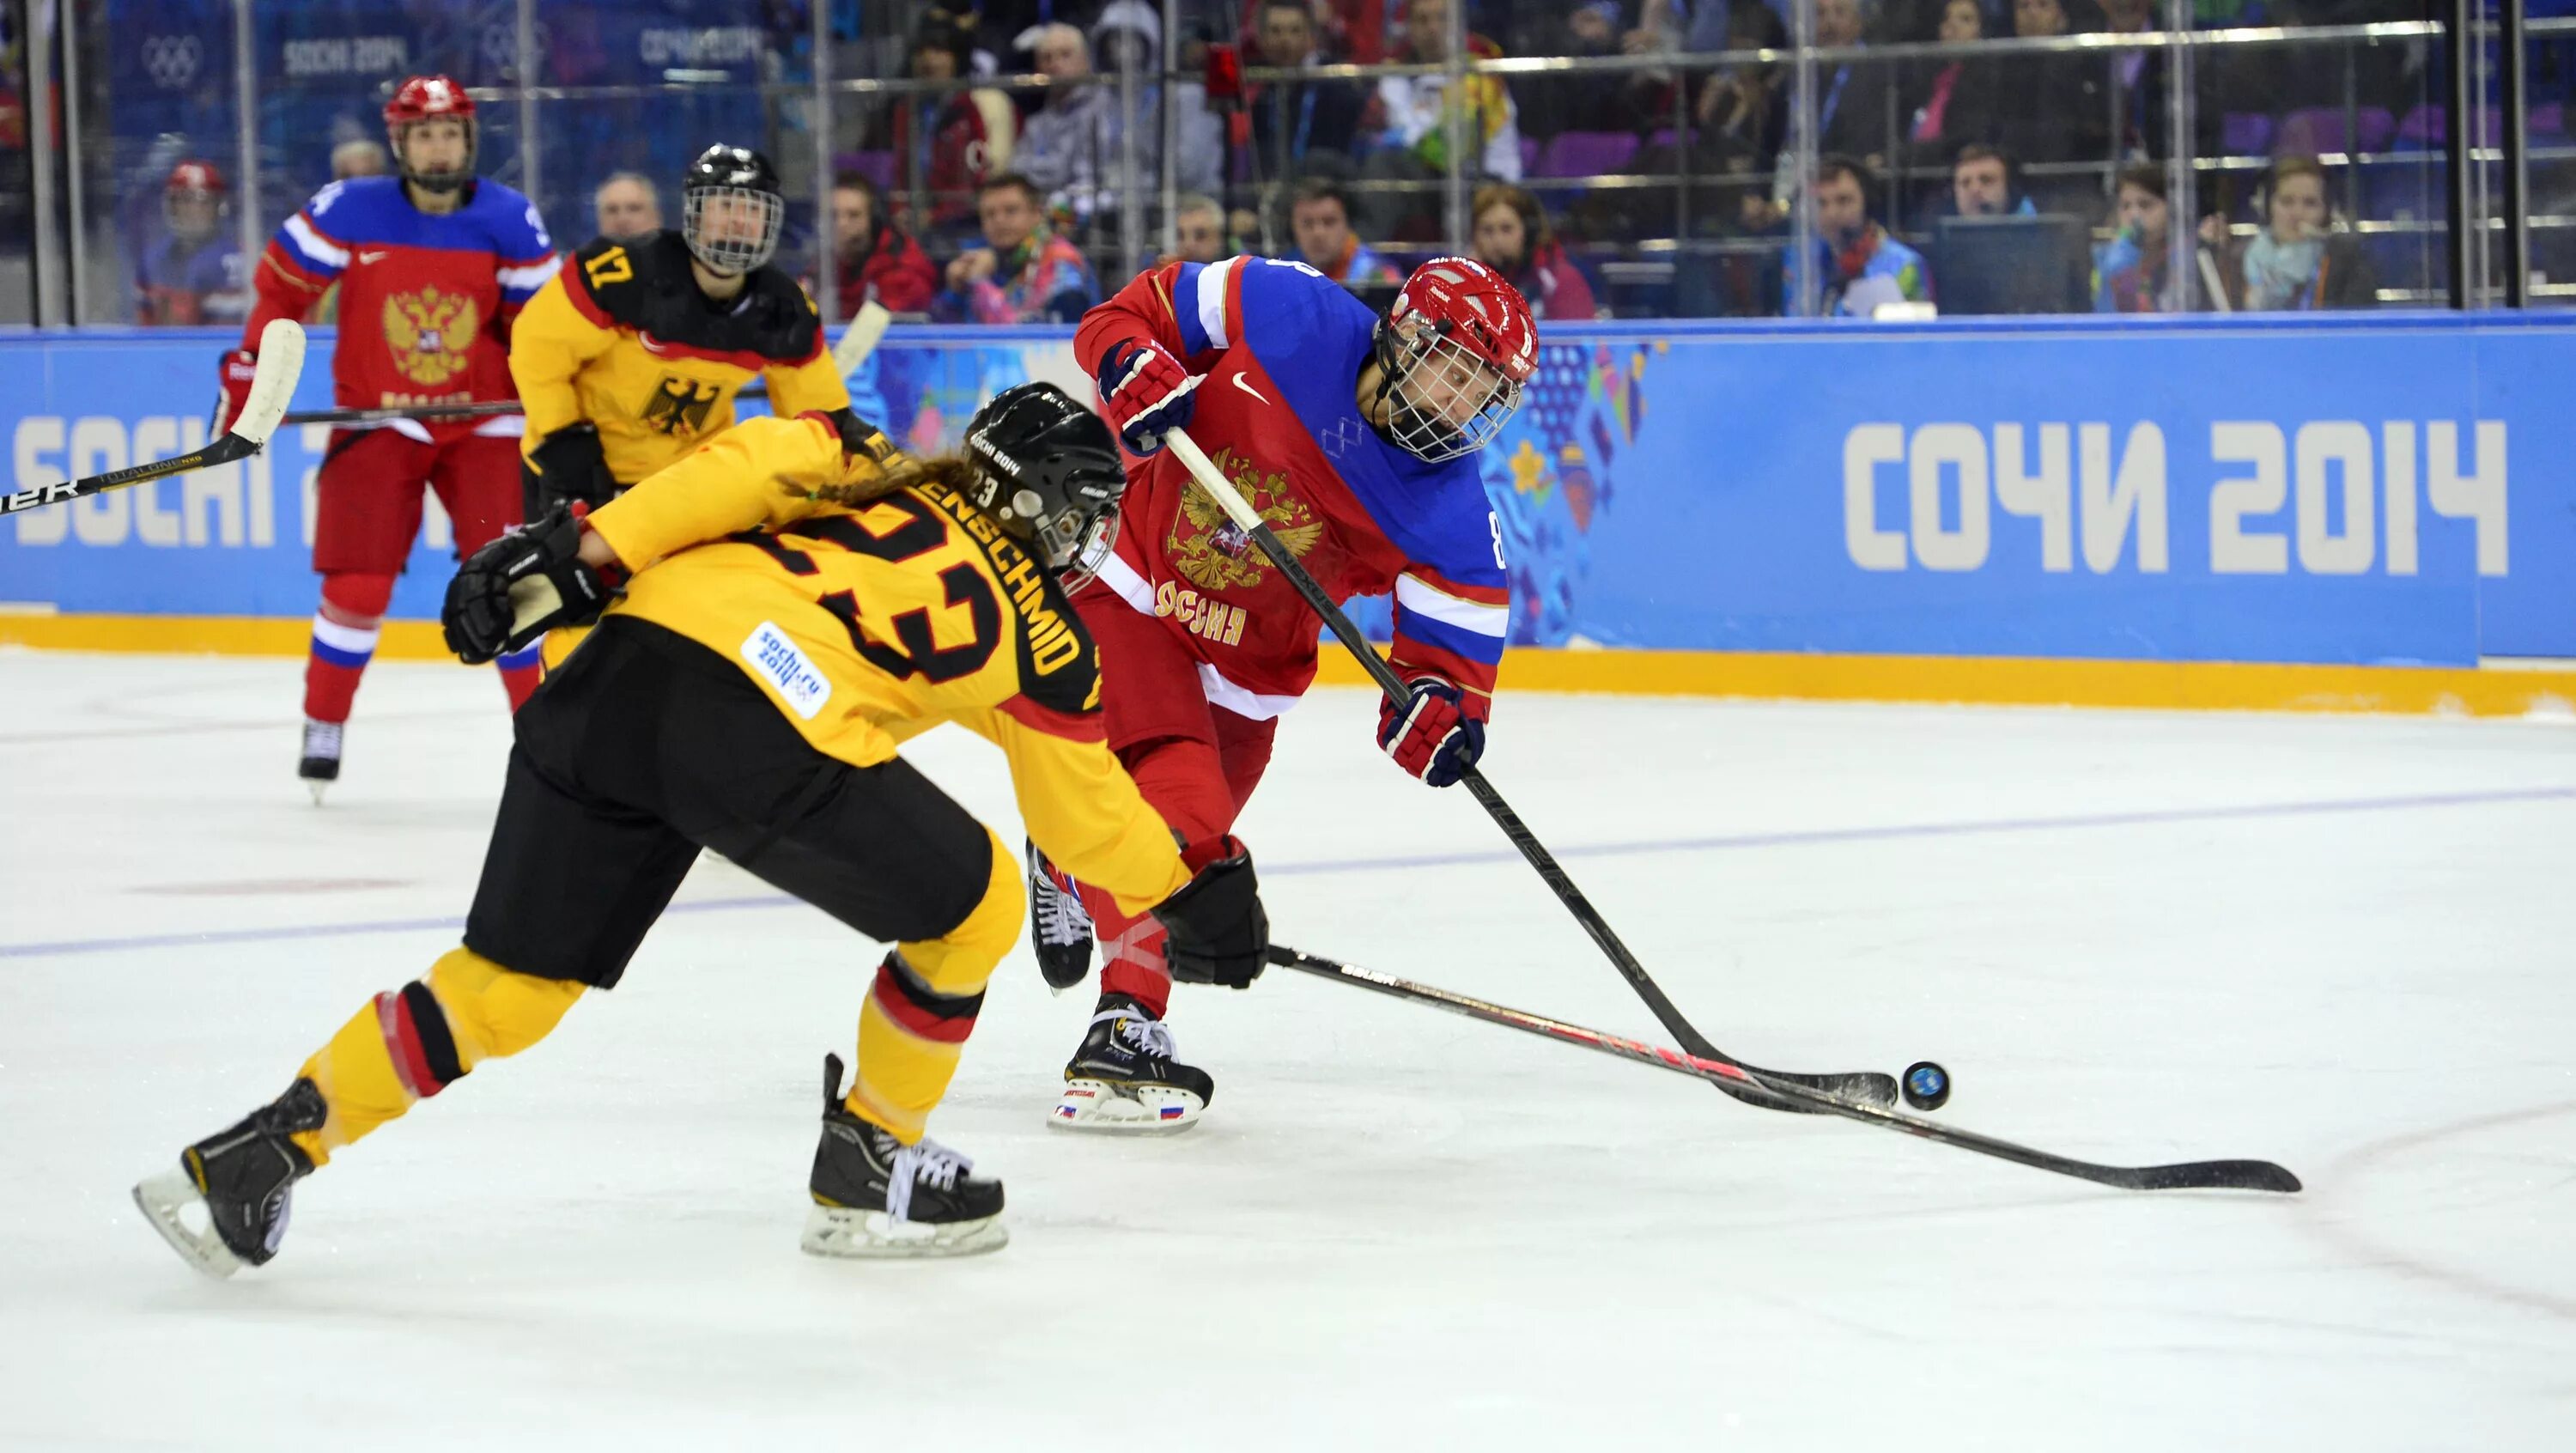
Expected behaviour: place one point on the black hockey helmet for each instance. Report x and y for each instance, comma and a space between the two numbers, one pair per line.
732, 209
1047, 470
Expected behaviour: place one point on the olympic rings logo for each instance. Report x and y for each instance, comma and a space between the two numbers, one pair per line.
172, 60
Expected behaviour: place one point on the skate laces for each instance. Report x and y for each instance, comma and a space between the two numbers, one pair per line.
1150, 1037
322, 738
927, 1160
1061, 917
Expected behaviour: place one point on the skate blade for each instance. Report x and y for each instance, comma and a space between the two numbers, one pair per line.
164, 1200
847, 1233
1099, 1105
317, 786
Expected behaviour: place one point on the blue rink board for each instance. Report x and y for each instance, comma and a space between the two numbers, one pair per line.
2383, 489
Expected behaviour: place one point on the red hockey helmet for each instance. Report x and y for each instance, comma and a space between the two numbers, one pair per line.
200, 178
192, 200
419, 98
1454, 354
430, 98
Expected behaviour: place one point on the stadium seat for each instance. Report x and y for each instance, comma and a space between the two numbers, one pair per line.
876, 166
2247, 133
2319, 129
1587, 154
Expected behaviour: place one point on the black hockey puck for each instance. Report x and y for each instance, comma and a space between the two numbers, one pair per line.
1927, 1085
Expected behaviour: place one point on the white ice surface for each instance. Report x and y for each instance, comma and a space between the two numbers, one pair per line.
1396, 1228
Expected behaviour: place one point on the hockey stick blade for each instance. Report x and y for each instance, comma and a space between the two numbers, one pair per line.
281, 362
1877, 1089
272, 382
2228, 1175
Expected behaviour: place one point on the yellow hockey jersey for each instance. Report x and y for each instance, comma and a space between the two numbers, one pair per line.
870, 624
622, 339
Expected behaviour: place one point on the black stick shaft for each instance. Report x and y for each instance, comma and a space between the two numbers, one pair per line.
224, 450
428, 413
2245, 1175
1875, 1087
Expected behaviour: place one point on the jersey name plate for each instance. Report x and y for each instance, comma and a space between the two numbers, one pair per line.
778, 660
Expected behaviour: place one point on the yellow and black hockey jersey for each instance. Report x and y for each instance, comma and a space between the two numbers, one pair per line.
622, 339
867, 625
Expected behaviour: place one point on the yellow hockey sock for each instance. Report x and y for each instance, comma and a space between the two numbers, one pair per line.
412, 1042
923, 1005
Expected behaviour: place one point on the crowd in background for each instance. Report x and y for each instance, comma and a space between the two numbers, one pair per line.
996, 202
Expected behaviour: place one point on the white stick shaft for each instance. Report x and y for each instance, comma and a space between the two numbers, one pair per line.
861, 337
1204, 470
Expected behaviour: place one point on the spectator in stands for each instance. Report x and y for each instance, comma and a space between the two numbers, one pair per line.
1959, 94
1411, 114
1131, 31
2055, 108
1198, 225
1294, 122
1984, 184
1593, 102
1023, 273
2138, 78
1072, 147
949, 142
1066, 145
1852, 105
627, 207
874, 260
1859, 265
1512, 237
2132, 271
1744, 110
192, 273
1320, 217
359, 157
2297, 262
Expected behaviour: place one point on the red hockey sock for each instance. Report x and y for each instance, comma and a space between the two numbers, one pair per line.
1132, 964
522, 672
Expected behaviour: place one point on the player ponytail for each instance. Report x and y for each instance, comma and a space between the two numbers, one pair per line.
899, 473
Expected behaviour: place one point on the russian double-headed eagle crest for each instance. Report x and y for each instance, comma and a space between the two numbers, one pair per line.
431, 334
1212, 552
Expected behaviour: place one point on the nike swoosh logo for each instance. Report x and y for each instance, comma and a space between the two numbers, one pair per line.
651, 346
1241, 383
373, 256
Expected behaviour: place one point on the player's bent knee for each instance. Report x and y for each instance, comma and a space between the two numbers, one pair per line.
962, 959
492, 1011
360, 594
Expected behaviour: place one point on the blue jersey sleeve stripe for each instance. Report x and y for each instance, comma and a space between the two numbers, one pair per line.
1185, 308
1473, 645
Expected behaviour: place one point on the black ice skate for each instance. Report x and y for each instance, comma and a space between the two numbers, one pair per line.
321, 765
223, 1207
1058, 924
1123, 1078
876, 1196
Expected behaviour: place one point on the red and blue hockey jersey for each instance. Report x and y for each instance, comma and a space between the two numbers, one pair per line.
1281, 349
426, 301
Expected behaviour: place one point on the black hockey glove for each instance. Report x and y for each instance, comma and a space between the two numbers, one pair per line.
568, 465
521, 586
859, 438
1215, 930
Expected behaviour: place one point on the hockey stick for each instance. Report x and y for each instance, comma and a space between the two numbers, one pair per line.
861, 337
2226, 1175
1864, 1085
281, 361
856, 344
428, 412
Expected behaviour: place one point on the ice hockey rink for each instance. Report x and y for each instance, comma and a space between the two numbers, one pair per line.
2347, 944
